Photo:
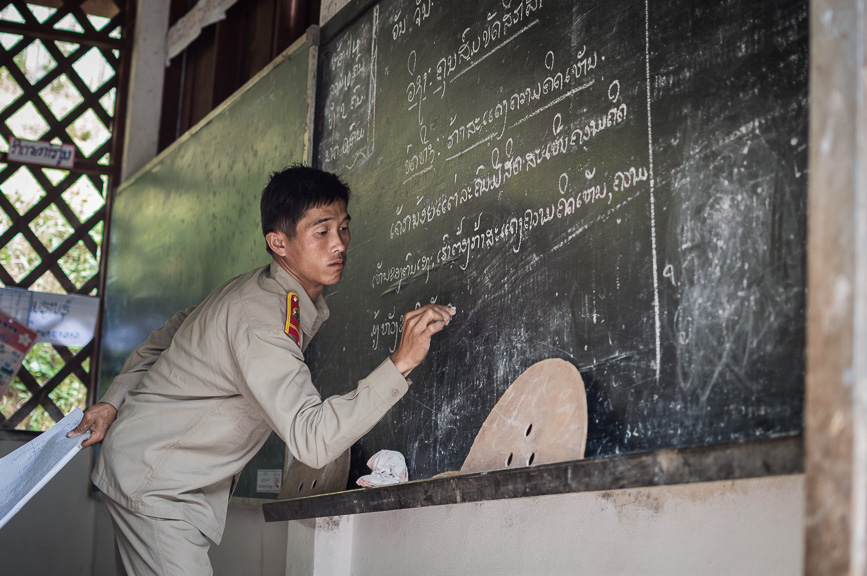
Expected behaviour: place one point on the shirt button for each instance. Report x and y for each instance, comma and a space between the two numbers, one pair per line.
395, 393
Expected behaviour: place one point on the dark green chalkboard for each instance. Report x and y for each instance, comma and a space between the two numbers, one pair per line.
620, 184
189, 220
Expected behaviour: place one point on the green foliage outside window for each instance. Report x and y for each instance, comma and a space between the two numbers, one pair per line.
43, 362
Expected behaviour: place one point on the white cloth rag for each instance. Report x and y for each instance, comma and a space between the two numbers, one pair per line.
389, 467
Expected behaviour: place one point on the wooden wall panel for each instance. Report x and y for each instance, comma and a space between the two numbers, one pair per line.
226, 55
836, 384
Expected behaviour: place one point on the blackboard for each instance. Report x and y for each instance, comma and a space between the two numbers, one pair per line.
619, 184
189, 220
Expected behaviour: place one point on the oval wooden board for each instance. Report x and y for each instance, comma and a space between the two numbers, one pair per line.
541, 418
302, 480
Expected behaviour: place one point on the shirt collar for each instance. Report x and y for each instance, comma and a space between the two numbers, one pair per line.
313, 314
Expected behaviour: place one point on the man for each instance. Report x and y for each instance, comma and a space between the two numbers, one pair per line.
198, 399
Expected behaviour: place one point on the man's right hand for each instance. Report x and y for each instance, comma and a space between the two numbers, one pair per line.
98, 419
418, 327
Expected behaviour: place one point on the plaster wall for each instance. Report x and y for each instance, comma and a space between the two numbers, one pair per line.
61, 530
746, 527
250, 546
65, 531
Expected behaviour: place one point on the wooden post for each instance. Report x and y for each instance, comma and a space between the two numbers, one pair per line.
836, 414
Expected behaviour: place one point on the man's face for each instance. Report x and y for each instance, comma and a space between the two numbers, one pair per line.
316, 255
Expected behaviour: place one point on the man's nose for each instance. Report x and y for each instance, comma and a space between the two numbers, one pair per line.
338, 245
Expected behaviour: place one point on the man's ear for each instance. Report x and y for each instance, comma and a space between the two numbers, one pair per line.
276, 242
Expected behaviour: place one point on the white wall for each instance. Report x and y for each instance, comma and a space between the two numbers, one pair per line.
250, 546
64, 531
727, 528
743, 528
61, 530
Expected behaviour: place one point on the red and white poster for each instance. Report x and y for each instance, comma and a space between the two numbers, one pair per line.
16, 339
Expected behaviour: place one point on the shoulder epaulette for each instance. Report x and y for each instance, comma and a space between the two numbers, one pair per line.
293, 318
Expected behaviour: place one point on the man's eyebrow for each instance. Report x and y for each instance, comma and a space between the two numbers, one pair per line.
328, 219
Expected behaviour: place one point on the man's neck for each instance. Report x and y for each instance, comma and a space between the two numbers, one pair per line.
313, 292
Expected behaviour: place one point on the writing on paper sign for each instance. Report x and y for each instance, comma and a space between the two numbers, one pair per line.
44, 153
269, 481
64, 319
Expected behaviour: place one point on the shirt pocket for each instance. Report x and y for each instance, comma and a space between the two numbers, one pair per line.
252, 420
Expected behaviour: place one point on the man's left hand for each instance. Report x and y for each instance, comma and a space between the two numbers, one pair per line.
98, 419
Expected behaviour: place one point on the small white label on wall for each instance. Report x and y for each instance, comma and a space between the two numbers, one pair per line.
269, 481
43, 153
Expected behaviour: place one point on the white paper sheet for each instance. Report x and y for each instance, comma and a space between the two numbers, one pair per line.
24, 472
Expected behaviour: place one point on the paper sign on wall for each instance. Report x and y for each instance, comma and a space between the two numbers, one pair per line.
42, 153
62, 319
16, 339
269, 481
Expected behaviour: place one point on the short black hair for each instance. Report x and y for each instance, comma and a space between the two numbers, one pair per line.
294, 190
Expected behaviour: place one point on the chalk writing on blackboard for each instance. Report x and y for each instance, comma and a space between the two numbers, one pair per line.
598, 181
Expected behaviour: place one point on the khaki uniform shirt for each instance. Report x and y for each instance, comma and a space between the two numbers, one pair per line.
199, 398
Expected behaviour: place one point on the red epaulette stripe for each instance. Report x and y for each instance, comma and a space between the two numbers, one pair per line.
293, 317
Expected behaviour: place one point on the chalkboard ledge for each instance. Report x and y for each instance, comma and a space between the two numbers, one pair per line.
740, 460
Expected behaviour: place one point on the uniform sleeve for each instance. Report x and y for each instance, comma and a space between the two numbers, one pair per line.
142, 358
316, 431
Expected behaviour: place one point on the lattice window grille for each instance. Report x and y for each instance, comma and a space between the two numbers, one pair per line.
60, 74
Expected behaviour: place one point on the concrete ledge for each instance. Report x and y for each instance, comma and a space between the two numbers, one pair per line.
748, 459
